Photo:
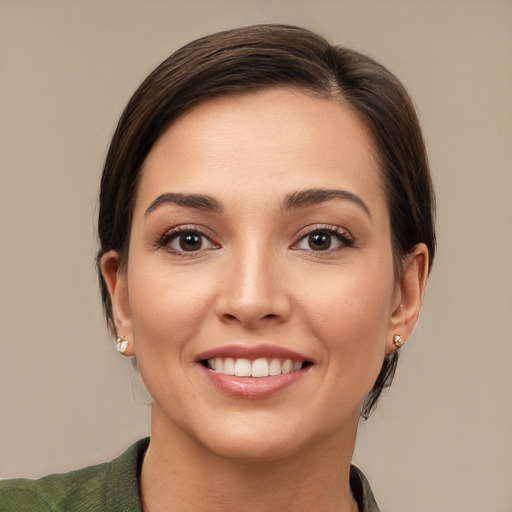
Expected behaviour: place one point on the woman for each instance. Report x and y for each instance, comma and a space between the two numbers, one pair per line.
266, 232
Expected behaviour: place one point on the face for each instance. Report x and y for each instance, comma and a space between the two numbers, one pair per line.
260, 246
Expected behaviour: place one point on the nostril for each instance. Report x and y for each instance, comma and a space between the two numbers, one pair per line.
249, 313
230, 316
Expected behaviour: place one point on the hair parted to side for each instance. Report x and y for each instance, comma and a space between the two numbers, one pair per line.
249, 59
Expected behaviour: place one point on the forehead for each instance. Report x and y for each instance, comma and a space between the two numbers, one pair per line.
263, 143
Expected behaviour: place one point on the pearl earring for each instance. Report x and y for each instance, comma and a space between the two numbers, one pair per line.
122, 344
398, 341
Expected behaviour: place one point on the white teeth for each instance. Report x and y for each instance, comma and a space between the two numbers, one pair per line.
243, 368
274, 367
229, 366
287, 366
261, 367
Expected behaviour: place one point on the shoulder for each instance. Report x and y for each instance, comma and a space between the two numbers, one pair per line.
56, 492
362, 491
109, 486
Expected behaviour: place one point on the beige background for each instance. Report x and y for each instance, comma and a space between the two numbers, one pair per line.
442, 437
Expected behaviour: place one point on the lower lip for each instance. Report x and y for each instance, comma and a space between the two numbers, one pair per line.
253, 388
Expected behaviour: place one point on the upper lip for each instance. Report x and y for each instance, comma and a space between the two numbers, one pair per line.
252, 352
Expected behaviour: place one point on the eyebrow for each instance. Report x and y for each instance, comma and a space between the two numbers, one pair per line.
293, 201
197, 201
314, 196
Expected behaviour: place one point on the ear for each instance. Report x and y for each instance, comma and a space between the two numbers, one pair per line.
115, 278
409, 297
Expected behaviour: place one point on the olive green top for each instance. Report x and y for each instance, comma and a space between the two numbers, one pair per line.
112, 486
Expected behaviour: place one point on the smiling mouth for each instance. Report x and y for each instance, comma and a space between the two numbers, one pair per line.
262, 367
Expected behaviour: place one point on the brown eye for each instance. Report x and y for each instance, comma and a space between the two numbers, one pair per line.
189, 241
325, 239
319, 241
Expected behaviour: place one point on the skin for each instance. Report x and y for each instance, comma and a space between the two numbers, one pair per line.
256, 279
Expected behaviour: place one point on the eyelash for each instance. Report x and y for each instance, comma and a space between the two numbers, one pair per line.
164, 241
341, 235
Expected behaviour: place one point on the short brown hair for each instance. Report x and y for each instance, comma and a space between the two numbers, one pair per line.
262, 56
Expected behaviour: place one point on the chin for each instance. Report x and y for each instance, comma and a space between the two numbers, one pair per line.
254, 448
242, 438
266, 439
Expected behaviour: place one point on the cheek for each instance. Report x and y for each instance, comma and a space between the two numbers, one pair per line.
167, 307
168, 311
350, 316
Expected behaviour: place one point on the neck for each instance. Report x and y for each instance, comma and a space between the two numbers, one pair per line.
179, 473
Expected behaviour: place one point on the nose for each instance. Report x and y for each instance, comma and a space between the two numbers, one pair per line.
253, 290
